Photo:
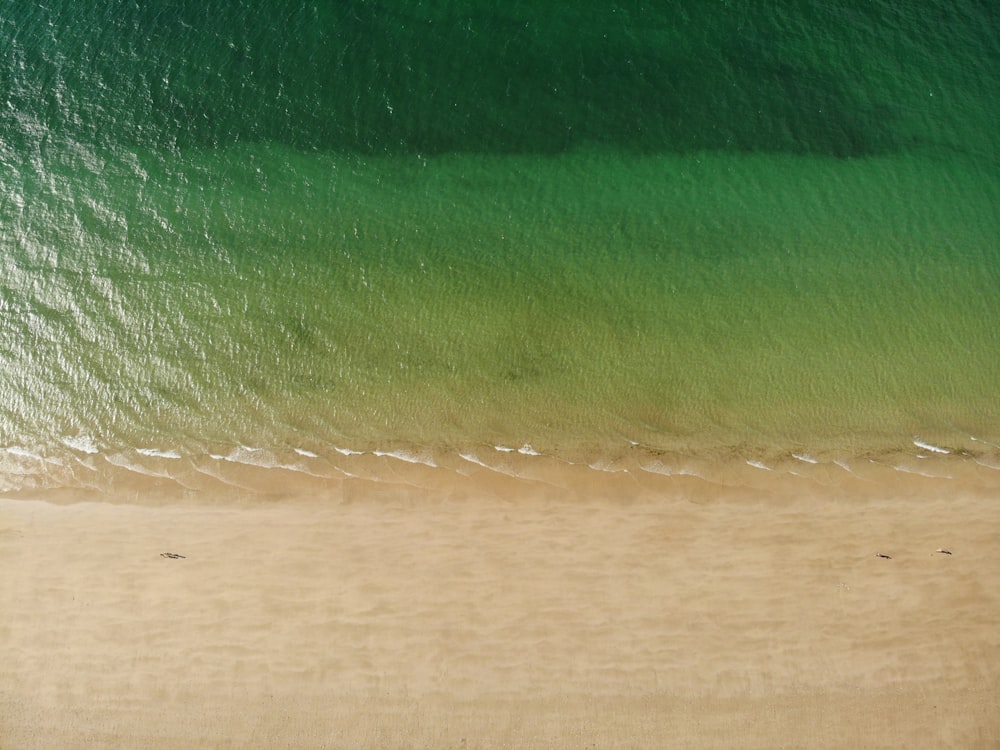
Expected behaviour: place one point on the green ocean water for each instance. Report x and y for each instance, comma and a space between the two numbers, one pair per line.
691, 227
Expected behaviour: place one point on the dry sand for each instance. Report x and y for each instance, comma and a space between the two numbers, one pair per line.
486, 612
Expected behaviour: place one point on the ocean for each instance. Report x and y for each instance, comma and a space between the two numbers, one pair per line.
633, 235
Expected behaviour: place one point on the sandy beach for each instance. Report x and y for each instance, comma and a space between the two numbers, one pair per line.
413, 375
492, 612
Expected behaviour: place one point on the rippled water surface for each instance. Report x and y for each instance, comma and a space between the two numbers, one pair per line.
704, 231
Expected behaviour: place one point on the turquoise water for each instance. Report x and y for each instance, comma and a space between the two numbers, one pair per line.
712, 227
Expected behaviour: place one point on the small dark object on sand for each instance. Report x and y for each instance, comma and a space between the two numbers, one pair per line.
172, 555
943, 551
884, 557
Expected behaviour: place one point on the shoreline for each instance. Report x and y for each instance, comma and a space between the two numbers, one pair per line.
491, 611
84, 471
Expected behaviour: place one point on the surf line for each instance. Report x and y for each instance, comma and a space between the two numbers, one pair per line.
929, 447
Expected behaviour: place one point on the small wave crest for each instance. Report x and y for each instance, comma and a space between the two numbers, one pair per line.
407, 456
82, 444
81, 463
157, 453
932, 448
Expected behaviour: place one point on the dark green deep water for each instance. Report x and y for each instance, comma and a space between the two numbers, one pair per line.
692, 226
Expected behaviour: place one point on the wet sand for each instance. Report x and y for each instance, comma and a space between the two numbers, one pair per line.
487, 612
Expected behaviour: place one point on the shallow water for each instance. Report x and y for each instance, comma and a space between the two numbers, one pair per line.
705, 232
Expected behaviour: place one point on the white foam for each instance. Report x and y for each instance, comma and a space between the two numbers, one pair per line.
805, 458
82, 443
472, 459
929, 447
479, 462
264, 459
348, 452
658, 467
15, 450
251, 457
154, 453
307, 454
527, 450
409, 458
759, 465
504, 449
123, 462
928, 475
